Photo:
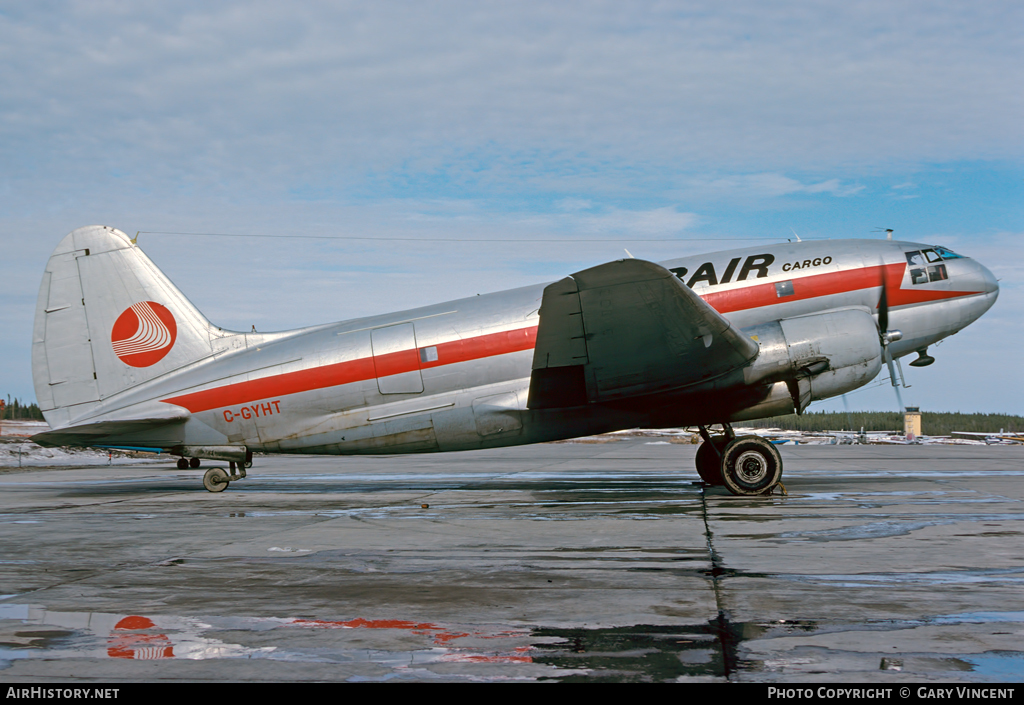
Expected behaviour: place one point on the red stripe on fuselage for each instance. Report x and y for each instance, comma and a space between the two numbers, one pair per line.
357, 370
829, 284
493, 344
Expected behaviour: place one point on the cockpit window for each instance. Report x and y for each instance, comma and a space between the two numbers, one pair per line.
946, 254
925, 265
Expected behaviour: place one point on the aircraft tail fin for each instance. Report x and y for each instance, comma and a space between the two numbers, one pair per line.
107, 319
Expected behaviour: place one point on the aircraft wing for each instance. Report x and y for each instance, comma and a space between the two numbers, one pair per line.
156, 425
1001, 436
625, 329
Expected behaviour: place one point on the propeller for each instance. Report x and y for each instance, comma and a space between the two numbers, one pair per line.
886, 336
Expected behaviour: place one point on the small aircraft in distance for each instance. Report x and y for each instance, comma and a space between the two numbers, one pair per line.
121, 359
853, 437
994, 438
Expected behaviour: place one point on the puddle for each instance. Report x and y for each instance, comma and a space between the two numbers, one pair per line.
874, 499
643, 653
889, 527
958, 577
980, 617
1001, 667
410, 649
384, 649
874, 530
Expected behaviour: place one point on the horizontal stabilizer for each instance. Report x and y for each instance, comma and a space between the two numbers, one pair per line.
626, 329
112, 428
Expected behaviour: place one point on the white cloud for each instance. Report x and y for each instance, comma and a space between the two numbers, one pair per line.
659, 221
770, 185
259, 91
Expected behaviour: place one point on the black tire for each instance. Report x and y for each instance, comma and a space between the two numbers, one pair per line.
215, 480
193, 463
751, 466
182, 464
709, 463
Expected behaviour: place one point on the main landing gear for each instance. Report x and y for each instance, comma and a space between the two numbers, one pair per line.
746, 465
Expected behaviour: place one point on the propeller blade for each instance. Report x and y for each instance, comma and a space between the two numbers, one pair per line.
846, 406
883, 306
892, 375
885, 338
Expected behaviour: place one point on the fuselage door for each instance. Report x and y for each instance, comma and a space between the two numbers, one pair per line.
396, 360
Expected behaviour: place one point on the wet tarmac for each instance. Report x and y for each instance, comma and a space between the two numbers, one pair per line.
559, 562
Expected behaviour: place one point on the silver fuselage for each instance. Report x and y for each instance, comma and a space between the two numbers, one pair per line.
455, 375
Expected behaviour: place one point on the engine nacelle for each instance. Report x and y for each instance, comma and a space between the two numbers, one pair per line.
816, 356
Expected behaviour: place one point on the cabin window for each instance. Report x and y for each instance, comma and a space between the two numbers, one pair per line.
784, 288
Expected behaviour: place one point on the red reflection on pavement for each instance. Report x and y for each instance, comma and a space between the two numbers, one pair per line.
125, 641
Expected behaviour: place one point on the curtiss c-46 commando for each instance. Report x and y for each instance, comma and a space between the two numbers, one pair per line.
121, 359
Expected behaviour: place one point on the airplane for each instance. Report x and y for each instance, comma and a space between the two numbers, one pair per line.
852, 437
122, 359
1000, 438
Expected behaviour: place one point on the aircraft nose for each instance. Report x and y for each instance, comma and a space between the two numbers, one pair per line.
977, 279
987, 280
980, 279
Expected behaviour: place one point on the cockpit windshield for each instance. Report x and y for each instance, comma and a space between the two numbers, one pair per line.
946, 254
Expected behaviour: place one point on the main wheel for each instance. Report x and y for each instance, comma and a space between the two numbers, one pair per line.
182, 464
215, 480
193, 463
709, 462
751, 466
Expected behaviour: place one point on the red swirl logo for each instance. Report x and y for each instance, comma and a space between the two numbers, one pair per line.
143, 334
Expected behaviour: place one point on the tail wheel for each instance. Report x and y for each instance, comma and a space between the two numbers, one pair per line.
215, 480
751, 466
709, 460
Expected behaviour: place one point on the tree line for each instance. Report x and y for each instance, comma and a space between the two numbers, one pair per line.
933, 423
17, 409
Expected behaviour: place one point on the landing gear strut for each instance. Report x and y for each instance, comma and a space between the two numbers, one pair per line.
709, 457
746, 465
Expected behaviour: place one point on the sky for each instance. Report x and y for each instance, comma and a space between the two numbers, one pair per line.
518, 142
